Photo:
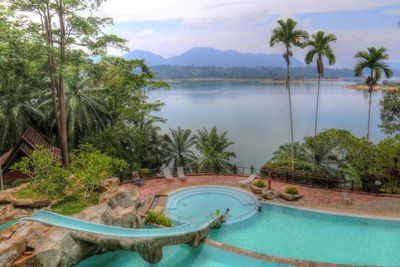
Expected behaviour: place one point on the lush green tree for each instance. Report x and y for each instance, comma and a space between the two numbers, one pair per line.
390, 112
320, 48
50, 179
212, 147
90, 168
283, 154
22, 80
64, 27
131, 133
178, 147
287, 34
372, 59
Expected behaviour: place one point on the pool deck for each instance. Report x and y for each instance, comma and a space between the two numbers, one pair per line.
315, 198
363, 204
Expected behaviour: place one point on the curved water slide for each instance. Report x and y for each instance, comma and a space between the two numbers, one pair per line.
148, 242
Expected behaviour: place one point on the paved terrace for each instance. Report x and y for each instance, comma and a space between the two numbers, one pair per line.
363, 203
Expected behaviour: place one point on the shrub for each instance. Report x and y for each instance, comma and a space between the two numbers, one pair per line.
292, 190
91, 167
259, 184
158, 218
50, 179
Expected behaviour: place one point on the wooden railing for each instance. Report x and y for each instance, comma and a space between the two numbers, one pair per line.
284, 176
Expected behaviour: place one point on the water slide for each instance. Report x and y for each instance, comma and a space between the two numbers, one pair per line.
54, 219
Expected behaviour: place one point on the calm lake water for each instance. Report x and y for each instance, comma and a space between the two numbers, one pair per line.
256, 114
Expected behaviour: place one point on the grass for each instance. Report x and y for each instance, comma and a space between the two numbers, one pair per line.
75, 204
26, 193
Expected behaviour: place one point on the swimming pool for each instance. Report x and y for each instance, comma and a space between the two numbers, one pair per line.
307, 235
203, 256
185, 204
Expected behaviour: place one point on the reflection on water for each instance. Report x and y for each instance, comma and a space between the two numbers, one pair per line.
256, 114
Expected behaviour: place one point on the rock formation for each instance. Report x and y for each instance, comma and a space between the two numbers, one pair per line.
29, 243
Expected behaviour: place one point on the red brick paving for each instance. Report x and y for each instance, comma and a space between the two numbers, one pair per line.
368, 204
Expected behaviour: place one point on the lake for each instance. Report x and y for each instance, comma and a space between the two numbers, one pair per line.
256, 114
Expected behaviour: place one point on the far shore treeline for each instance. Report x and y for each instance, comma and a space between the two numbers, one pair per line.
165, 72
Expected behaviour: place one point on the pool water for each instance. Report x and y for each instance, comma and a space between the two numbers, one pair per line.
294, 233
178, 256
197, 201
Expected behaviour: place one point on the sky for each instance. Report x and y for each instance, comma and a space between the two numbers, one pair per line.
171, 27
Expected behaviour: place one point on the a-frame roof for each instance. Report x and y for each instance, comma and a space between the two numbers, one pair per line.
28, 142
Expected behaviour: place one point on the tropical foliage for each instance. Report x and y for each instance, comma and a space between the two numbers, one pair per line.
341, 155
50, 178
212, 147
390, 112
177, 147
90, 168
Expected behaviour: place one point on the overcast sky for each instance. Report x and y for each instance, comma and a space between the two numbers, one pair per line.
171, 27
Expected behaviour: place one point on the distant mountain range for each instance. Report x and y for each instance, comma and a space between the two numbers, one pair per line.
205, 56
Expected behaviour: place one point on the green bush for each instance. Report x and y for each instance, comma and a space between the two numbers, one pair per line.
50, 179
91, 167
259, 184
158, 218
292, 190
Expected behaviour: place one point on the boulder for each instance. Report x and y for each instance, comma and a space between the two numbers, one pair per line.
256, 190
290, 197
270, 194
29, 243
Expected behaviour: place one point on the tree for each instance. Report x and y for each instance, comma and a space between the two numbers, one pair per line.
372, 59
130, 133
286, 34
64, 27
390, 112
212, 147
320, 45
177, 147
22, 80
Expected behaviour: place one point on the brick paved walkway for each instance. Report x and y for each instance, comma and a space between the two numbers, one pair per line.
368, 204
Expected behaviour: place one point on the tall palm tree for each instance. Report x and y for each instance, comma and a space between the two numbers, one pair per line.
286, 34
372, 59
177, 147
320, 45
212, 147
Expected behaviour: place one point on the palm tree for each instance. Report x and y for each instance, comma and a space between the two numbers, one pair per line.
212, 147
320, 49
177, 147
86, 108
286, 34
372, 59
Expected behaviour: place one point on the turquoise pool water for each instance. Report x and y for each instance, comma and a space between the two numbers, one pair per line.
178, 256
294, 233
3, 226
198, 201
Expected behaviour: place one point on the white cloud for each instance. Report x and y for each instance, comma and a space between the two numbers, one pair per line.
393, 12
153, 10
146, 32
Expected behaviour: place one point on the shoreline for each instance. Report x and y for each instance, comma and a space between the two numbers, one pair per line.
362, 87
260, 80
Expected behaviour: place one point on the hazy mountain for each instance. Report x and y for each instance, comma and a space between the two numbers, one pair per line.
204, 56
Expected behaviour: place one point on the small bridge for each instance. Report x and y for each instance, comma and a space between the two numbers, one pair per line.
148, 242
